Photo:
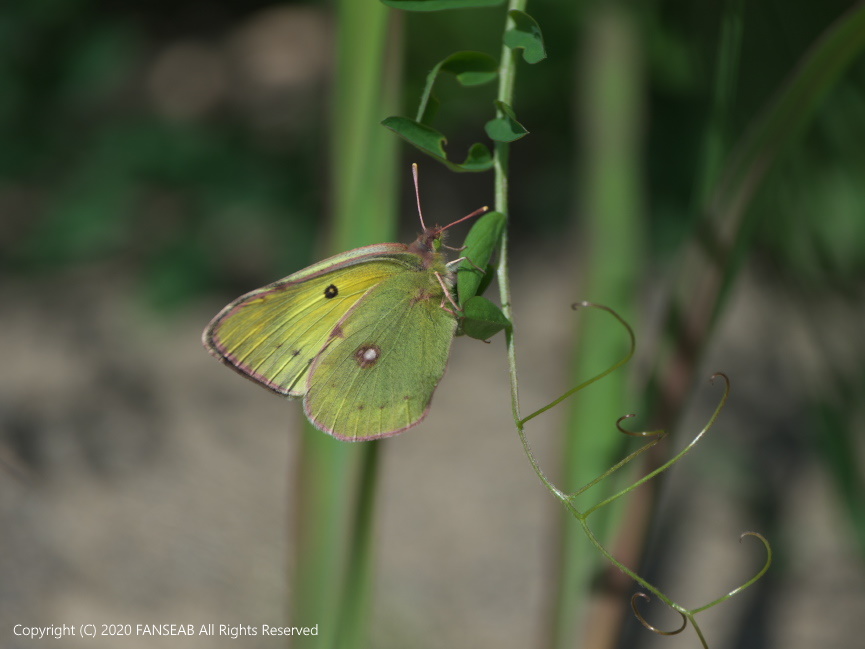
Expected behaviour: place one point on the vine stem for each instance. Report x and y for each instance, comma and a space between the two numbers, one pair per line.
501, 152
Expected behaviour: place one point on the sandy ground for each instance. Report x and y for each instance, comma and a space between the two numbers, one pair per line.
142, 483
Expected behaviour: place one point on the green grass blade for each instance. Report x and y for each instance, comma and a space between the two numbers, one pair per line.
611, 106
792, 109
709, 265
337, 481
326, 472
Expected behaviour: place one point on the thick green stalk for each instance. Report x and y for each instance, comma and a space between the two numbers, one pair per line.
610, 104
336, 484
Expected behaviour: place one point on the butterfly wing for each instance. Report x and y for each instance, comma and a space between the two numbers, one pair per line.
380, 366
271, 335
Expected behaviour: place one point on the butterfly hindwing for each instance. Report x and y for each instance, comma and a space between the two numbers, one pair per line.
271, 335
381, 363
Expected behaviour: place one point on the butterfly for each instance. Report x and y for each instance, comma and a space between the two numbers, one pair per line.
362, 337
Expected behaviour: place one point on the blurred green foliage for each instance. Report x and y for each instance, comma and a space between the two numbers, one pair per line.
90, 170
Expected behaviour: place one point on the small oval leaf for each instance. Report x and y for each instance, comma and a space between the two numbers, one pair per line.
479, 158
487, 279
432, 142
525, 34
470, 68
482, 319
424, 137
505, 128
480, 244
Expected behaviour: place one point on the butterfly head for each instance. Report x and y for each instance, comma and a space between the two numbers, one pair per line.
430, 242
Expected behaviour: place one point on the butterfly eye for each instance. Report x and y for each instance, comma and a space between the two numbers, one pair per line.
331, 291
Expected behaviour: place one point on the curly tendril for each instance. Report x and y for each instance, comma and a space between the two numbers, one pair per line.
581, 515
753, 579
612, 368
645, 622
689, 614
723, 376
643, 433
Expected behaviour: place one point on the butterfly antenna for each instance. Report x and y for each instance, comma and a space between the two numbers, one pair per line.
417, 195
477, 212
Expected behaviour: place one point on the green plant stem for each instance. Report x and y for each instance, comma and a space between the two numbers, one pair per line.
357, 593
501, 153
326, 472
337, 481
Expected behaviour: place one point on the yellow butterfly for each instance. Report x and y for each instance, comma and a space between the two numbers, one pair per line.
363, 336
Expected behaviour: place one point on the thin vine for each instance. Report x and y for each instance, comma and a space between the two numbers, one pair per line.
501, 154
507, 75
522, 38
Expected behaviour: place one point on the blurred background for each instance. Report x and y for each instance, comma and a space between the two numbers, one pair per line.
157, 159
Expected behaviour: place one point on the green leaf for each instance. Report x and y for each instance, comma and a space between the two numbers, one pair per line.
431, 142
424, 137
439, 5
479, 158
487, 278
470, 69
525, 34
505, 128
482, 319
480, 244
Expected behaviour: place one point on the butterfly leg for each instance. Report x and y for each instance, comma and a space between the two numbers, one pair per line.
456, 261
449, 310
447, 295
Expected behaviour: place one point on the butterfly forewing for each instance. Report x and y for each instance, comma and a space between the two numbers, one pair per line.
380, 366
271, 335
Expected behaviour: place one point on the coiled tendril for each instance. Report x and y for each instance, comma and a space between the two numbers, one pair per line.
645, 623
643, 433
